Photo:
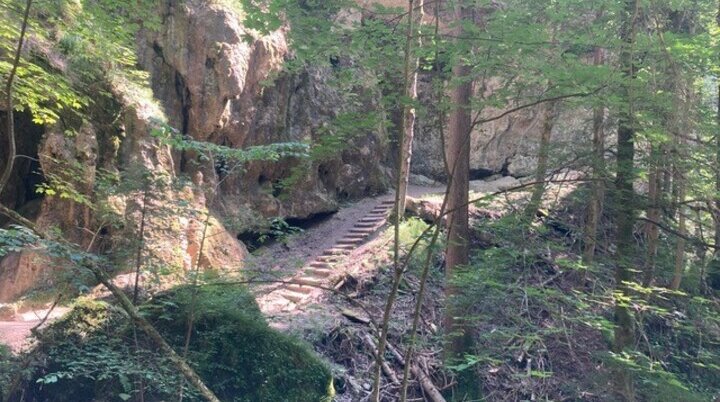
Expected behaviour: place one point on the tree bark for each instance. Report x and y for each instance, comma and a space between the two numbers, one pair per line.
652, 231
10, 123
625, 197
403, 173
681, 242
458, 157
549, 117
624, 208
598, 175
410, 76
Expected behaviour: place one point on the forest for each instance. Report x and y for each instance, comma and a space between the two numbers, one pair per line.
359, 200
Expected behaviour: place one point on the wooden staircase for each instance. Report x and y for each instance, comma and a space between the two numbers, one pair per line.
308, 284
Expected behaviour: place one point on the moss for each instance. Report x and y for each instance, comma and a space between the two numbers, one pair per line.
91, 354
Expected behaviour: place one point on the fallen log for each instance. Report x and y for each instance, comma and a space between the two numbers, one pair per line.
385, 368
426, 383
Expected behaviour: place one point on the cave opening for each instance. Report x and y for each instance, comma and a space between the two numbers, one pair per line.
280, 230
20, 193
481, 173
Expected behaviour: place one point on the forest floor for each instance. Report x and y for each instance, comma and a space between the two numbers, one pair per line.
338, 315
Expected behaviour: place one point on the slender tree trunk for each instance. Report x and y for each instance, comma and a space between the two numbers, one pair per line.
598, 175
625, 199
410, 75
458, 156
426, 268
681, 242
403, 173
652, 231
140, 396
10, 123
549, 117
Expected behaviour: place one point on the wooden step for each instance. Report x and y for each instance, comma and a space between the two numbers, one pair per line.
310, 281
367, 225
321, 265
361, 231
351, 240
370, 220
299, 288
383, 214
323, 273
335, 251
293, 297
328, 258
344, 246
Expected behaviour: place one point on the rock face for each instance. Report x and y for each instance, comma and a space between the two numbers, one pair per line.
507, 146
218, 82
222, 83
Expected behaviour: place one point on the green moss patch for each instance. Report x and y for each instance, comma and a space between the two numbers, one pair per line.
93, 354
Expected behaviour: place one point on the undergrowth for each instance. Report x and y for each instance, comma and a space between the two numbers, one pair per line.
92, 354
543, 323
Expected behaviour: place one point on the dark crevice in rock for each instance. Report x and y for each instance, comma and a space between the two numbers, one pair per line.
255, 239
311, 221
21, 193
481, 173
183, 95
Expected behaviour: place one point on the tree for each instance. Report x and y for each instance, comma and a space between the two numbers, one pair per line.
458, 230
597, 198
411, 65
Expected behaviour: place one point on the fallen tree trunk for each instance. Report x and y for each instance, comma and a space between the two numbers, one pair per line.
426, 383
385, 368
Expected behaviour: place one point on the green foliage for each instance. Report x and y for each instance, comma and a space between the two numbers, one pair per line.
7, 369
520, 319
414, 230
15, 239
91, 354
280, 230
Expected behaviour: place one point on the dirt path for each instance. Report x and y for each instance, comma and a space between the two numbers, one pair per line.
14, 333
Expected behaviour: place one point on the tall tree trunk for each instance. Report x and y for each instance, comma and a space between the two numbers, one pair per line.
458, 157
681, 242
652, 230
410, 77
10, 123
403, 174
598, 174
625, 202
625, 198
549, 117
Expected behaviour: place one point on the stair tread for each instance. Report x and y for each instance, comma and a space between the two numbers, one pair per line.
293, 296
318, 272
297, 288
310, 280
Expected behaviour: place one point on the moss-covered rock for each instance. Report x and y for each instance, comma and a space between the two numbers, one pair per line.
92, 355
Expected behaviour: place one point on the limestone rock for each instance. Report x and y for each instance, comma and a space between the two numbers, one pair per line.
220, 82
507, 146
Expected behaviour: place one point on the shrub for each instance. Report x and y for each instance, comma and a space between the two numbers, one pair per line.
92, 354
